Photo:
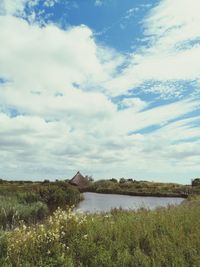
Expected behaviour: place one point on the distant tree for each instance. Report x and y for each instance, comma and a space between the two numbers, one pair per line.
114, 180
46, 181
122, 180
196, 182
90, 178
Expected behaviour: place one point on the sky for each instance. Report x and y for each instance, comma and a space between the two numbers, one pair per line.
106, 87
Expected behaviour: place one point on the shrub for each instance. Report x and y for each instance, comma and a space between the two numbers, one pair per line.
33, 202
196, 182
59, 195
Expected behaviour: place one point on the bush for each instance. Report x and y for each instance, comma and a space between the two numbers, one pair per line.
59, 195
28, 198
33, 202
196, 182
12, 213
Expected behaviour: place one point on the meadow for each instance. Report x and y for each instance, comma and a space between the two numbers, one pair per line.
60, 237
163, 237
33, 202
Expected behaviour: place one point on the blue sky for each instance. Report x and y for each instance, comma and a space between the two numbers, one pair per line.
111, 21
110, 88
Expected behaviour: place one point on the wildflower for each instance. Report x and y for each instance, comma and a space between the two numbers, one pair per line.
107, 216
62, 233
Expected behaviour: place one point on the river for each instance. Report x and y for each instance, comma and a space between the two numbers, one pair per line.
95, 202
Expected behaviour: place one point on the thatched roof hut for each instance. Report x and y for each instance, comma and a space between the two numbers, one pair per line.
79, 180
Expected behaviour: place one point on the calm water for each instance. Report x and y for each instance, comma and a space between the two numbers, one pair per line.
94, 202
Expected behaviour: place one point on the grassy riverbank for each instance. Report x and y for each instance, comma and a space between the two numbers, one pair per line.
163, 237
34, 232
141, 188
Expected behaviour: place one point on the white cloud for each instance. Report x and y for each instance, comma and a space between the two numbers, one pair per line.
16, 7
56, 114
34, 11
178, 19
12, 7
50, 3
44, 70
135, 103
173, 50
46, 50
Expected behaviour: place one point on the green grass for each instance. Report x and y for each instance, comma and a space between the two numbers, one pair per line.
33, 202
12, 212
160, 238
34, 232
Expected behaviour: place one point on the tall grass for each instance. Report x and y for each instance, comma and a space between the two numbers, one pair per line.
31, 203
160, 238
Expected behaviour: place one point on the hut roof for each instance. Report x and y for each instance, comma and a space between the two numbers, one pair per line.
79, 180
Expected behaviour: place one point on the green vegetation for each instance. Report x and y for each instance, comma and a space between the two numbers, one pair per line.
163, 237
141, 188
38, 229
13, 210
32, 202
196, 182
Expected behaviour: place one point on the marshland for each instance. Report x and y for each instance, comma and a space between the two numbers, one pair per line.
41, 227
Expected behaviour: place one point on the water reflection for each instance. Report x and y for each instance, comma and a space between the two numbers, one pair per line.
94, 202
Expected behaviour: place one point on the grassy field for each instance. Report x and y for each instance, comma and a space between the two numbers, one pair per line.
160, 238
33, 202
34, 232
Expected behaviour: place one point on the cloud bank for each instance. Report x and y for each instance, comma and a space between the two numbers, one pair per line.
68, 103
